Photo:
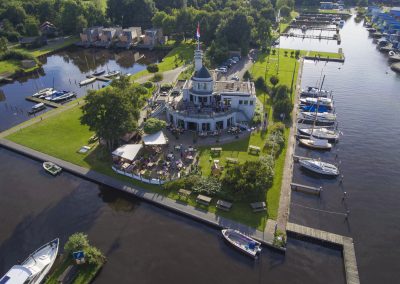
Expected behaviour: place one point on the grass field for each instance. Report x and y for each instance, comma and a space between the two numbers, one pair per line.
178, 56
9, 66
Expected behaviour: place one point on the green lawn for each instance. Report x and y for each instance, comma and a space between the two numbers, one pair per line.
178, 56
50, 47
9, 66
85, 274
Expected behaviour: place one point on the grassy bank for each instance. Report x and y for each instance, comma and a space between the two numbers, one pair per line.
180, 55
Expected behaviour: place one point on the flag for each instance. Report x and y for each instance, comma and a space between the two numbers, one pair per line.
198, 31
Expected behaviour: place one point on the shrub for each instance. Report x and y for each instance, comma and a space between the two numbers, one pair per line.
274, 80
152, 68
148, 85
275, 143
273, 51
207, 185
247, 76
286, 52
297, 53
76, 242
281, 92
166, 87
277, 127
152, 125
157, 77
260, 84
292, 53
94, 256
16, 55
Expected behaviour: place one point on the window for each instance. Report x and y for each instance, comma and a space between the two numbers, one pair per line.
240, 102
246, 103
251, 103
204, 86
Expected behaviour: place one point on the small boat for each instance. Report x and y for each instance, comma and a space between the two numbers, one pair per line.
320, 117
371, 30
326, 102
341, 23
319, 167
314, 108
242, 242
43, 93
320, 133
314, 143
314, 92
303, 28
99, 72
35, 268
36, 108
394, 57
112, 74
87, 81
60, 96
52, 168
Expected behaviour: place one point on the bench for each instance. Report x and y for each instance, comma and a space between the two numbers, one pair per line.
184, 192
258, 206
216, 150
224, 205
254, 149
202, 199
232, 161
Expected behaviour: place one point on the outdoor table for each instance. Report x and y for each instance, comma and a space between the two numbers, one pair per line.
224, 205
258, 206
125, 165
202, 199
232, 160
184, 192
254, 148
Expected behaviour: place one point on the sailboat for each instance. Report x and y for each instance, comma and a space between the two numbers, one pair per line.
319, 167
320, 133
314, 92
35, 267
322, 118
326, 102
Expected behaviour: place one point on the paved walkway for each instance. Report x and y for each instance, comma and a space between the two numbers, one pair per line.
158, 199
284, 199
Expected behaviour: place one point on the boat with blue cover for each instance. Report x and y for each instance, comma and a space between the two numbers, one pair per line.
314, 108
242, 242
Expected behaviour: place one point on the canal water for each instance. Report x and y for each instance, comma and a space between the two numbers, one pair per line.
143, 243
64, 70
367, 102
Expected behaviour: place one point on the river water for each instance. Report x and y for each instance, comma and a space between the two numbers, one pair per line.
64, 70
143, 243
367, 103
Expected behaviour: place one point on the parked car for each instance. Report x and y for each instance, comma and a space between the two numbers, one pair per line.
164, 94
221, 70
235, 78
232, 61
236, 58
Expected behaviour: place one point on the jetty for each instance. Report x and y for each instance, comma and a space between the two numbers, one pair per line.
306, 188
46, 102
99, 78
317, 28
344, 243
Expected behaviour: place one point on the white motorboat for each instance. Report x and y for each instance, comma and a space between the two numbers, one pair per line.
43, 93
320, 117
314, 143
242, 242
52, 168
319, 167
320, 133
112, 74
61, 96
35, 267
87, 81
99, 72
326, 102
37, 107
314, 92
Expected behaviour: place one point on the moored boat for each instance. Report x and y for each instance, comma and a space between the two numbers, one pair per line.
37, 107
52, 168
112, 74
314, 143
61, 96
326, 102
320, 117
35, 267
43, 93
242, 242
99, 72
319, 167
320, 133
87, 81
314, 108
394, 57
314, 92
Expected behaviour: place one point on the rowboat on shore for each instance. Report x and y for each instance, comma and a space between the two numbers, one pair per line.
242, 242
52, 168
87, 81
112, 74
35, 268
99, 72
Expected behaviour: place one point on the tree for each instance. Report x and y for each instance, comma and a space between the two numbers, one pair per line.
81, 23
248, 180
281, 92
297, 53
131, 12
283, 107
247, 76
14, 13
152, 68
153, 125
113, 111
70, 12
76, 242
31, 27
3, 44
94, 256
260, 84
285, 11
274, 80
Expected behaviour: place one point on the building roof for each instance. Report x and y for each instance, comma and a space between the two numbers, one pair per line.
128, 151
157, 138
234, 87
203, 73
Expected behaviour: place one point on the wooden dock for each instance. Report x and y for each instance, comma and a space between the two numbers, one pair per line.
46, 102
318, 28
99, 78
306, 188
345, 243
312, 36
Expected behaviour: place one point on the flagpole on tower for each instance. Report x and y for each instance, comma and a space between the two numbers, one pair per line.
198, 36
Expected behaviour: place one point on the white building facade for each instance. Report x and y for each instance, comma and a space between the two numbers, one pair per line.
208, 105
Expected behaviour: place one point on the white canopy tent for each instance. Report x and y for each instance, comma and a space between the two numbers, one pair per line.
127, 151
157, 138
